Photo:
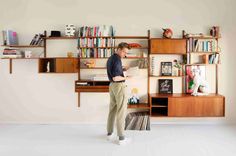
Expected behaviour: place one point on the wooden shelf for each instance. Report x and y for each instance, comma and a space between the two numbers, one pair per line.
202, 37
109, 47
166, 76
108, 57
60, 38
155, 105
204, 52
176, 95
93, 68
201, 64
88, 80
114, 37
22, 58
131, 37
140, 105
23, 46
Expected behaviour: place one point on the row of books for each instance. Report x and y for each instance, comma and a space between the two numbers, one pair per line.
95, 53
204, 45
213, 59
37, 39
104, 30
96, 42
11, 53
9, 37
137, 121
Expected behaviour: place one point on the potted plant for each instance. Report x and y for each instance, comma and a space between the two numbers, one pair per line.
178, 66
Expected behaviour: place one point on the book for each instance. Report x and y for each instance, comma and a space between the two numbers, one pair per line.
132, 71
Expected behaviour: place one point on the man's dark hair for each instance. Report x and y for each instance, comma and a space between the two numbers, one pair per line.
123, 45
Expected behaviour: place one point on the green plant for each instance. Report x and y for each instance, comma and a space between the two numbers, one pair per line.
177, 64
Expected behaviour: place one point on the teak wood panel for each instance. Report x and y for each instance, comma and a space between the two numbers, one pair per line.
66, 65
168, 46
196, 106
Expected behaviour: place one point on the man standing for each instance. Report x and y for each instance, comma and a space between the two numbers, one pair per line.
118, 100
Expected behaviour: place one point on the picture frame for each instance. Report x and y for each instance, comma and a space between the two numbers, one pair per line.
165, 86
166, 68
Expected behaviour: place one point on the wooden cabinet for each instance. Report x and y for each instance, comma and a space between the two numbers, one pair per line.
66, 65
58, 65
185, 105
168, 46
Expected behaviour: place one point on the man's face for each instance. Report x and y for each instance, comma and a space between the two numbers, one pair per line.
123, 52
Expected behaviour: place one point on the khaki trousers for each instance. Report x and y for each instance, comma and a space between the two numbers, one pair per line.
117, 108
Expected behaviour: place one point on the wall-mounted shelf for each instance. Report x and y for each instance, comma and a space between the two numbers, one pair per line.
23, 46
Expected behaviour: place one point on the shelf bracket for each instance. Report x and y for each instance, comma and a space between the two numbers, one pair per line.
10, 66
78, 99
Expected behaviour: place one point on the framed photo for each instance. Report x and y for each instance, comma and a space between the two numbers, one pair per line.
166, 68
165, 86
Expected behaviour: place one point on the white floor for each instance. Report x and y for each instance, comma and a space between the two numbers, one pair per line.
89, 140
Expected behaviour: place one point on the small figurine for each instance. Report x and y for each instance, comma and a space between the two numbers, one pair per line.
48, 66
70, 30
134, 99
167, 33
199, 84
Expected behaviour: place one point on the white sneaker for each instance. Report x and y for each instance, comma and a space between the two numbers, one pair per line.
111, 137
125, 141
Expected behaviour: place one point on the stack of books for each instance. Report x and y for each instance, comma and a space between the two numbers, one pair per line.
137, 121
12, 53
154, 66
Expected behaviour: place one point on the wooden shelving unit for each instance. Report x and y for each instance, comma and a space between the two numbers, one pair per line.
159, 105
94, 87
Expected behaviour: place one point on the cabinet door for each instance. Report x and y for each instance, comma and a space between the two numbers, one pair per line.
168, 46
66, 65
196, 106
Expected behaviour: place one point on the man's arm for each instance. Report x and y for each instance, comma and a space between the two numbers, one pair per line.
118, 78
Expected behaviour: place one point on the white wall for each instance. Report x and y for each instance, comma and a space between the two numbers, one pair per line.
29, 97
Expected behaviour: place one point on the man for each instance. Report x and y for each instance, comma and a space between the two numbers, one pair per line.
118, 100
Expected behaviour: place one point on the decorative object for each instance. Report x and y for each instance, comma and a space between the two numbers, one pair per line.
48, 66
134, 45
196, 80
134, 99
200, 86
205, 58
177, 71
70, 30
28, 54
215, 31
168, 33
89, 63
166, 68
55, 33
69, 54
165, 86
